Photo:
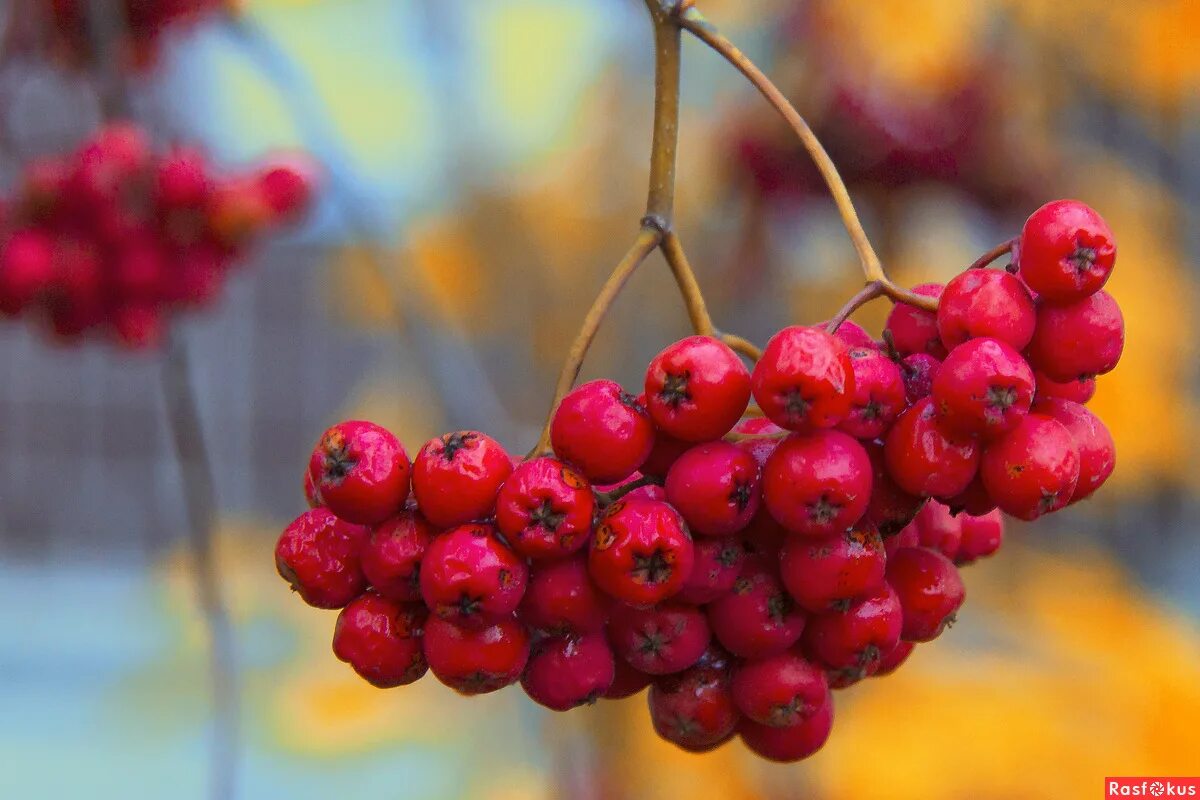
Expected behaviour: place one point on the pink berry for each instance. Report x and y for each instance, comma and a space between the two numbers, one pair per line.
919, 371
717, 566
984, 388
1097, 451
817, 484
890, 507
915, 330
852, 334
715, 486
697, 389
1079, 340
892, 660
659, 641
879, 394
1066, 251
361, 472
851, 643
561, 599
986, 302
925, 459
804, 380
392, 558
939, 529
780, 691
381, 640
641, 552
476, 661
794, 743
470, 577
929, 588
568, 671
694, 709
1033, 470
456, 477
827, 573
545, 509
758, 618
320, 556
981, 536
603, 430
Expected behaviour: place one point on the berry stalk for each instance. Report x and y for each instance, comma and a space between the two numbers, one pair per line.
999, 251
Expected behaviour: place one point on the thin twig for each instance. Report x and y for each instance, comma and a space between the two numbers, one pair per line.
740, 344
999, 251
613, 495
870, 292
689, 287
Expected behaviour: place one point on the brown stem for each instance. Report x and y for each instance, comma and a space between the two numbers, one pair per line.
871, 291
739, 344
660, 198
999, 251
689, 287
613, 495
734, 436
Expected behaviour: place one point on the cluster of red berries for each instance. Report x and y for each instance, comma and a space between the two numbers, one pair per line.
142, 24
113, 236
741, 567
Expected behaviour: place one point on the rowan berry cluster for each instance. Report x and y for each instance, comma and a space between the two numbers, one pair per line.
740, 566
113, 237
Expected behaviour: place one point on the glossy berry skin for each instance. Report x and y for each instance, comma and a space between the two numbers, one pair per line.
779, 691
381, 640
891, 661
320, 556
852, 334
972, 500
697, 389
392, 558
879, 394
360, 471
919, 371
1097, 451
986, 302
1067, 251
718, 563
476, 661
603, 431
1079, 391
659, 641
925, 459
664, 453
984, 388
804, 380
627, 681
939, 529
694, 709
545, 509
890, 508
981, 537
829, 573
791, 744
561, 599
470, 577
568, 671
1033, 470
456, 477
716, 487
758, 618
851, 643
641, 552
929, 589
915, 330
909, 537
1078, 341
817, 484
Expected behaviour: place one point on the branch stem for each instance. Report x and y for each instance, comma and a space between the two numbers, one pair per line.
871, 291
997, 252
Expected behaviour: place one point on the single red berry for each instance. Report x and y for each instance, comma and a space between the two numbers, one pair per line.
561, 599
287, 187
138, 326
658, 641
476, 661
758, 618
915, 330
1033, 470
828, 573
1079, 340
456, 477
924, 458
470, 577
892, 660
1097, 451
984, 388
1066, 251
981, 536
929, 588
879, 394
360, 471
919, 371
1079, 391
794, 743
545, 509
804, 379
716, 487
26, 269
718, 563
852, 334
986, 302
392, 558
320, 556
973, 500
890, 507
780, 691
664, 453
817, 484
694, 709
641, 552
569, 671
182, 180
381, 639
939, 529
851, 643
603, 430
697, 389
627, 681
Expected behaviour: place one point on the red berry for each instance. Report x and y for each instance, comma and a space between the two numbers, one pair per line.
929, 588
852, 643
470, 577
1097, 451
879, 394
381, 639
1079, 391
804, 379
641, 553
715, 486
919, 371
852, 334
545, 509
456, 477
1079, 340
910, 536
568, 671
1033, 470
697, 389
985, 302
718, 563
319, 555
817, 484
758, 618
927, 460
779, 691
658, 641
26, 269
181, 180
627, 681
1066, 251
694, 708
360, 471
287, 188
981, 536
392, 558
603, 430
794, 743
915, 330
891, 661
561, 599
939, 529
828, 573
476, 661
983, 388
890, 508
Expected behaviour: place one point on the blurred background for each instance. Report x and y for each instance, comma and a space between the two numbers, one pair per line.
481, 167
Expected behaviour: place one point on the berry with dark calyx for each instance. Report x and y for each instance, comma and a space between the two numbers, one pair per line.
817, 484
659, 641
879, 394
716, 487
641, 552
890, 508
476, 660
758, 618
603, 431
1079, 391
320, 556
852, 334
360, 471
930, 591
924, 458
892, 660
790, 744
1097, 451
919, 371
981, 536
716, 568
392, 557
851, 643
697, 389
545, 509
561, 599
984, 388
694, 709
939, 529
456, 477
1033, 470
828, 573
568, 671
381, 640
627, 681
1067, 251
804, 380
779, 691
986, 302
1079, 340
915, 330
470, 577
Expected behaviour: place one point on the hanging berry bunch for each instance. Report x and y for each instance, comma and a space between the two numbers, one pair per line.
114, 237
740, 540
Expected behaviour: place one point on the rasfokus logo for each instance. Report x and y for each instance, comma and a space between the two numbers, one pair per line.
1151, 787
